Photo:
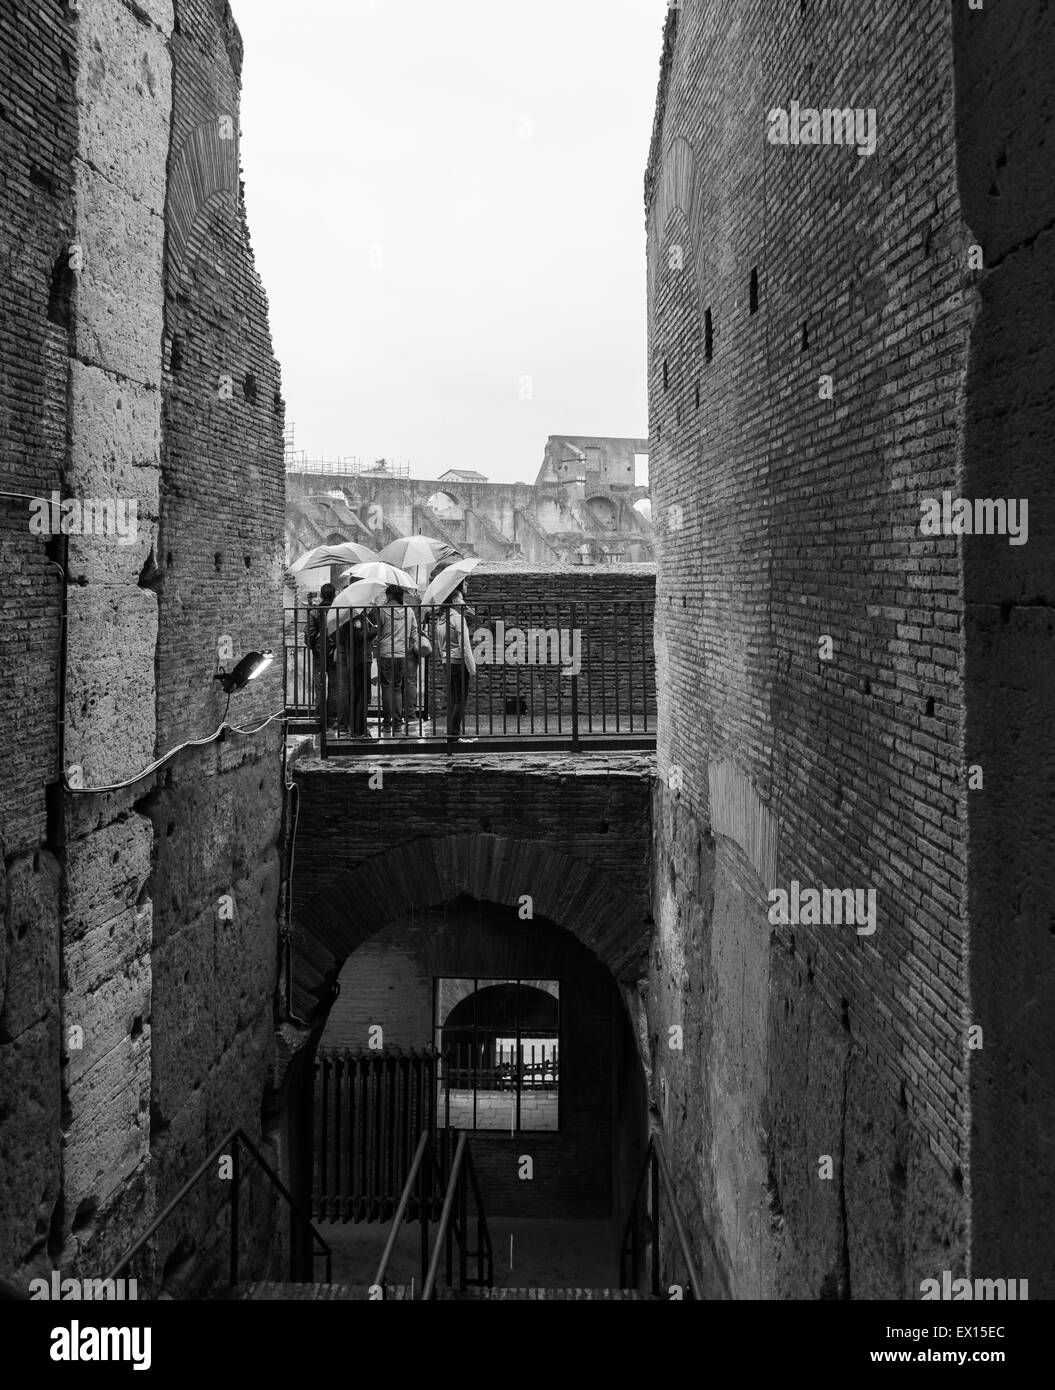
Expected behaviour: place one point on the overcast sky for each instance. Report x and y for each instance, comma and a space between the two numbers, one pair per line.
445, 202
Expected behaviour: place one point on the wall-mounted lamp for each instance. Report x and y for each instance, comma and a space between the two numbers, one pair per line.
251, 666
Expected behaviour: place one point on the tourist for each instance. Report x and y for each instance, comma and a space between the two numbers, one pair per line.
451, 631
398, 638
354, 656
316, 621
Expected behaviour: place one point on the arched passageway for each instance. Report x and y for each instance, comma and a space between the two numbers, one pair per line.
556, 1075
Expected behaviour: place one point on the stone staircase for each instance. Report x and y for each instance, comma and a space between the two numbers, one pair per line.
353, 1293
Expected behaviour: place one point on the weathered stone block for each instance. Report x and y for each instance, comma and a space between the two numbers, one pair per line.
30, 1107
114, 456
113, 1009
109, 1135
124, 90
106, 874
119, 320
110, 683
30, 975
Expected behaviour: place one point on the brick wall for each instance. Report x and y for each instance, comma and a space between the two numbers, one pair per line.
37, 142
784, 516
589, 809
615, 608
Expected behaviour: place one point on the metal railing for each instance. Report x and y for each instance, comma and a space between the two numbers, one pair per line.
655, 1168
455, 1228
426, 1175
525, 675
231, 1141
369, 1106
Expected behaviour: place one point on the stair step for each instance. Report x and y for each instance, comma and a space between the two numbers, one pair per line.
354, 1293
313, 1293
545, 1295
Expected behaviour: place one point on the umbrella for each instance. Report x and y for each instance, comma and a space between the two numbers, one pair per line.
361, 594
384, 574
448, 579
342, 554
416, 552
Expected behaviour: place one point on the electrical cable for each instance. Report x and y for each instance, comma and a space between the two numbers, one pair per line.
26, 497
160, 762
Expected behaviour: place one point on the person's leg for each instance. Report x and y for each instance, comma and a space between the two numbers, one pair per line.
397, 677
410, 688
343, 695
360, 677
459, 688
388, 702
466, 682
331, 691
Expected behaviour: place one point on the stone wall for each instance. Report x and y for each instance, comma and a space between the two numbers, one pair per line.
118, 894
810, 313
1003, 61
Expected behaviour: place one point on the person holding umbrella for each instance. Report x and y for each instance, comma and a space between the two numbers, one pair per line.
355, 631
398, 639
316, 621
451, 629
354, 650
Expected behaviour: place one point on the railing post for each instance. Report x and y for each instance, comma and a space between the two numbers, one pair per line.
236, 1173
425, 1203
463, 1224
635, 1247
574, 691
321, 675
654, 1176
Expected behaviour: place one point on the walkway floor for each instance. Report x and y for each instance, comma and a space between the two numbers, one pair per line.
544, 1253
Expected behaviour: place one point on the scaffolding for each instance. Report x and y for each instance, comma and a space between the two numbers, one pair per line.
297, 461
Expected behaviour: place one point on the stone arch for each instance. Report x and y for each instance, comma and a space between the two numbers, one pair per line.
679, 189
605, 510
429, 872
203, 173
448, 495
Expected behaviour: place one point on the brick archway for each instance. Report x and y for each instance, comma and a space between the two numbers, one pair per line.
429, 872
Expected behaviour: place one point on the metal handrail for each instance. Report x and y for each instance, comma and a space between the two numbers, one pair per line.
461, 1170
401, 1209
655, 1166
234, 1137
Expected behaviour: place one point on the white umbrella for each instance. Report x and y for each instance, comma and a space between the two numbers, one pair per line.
384, 574
343, 554
448, 579
359, 595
